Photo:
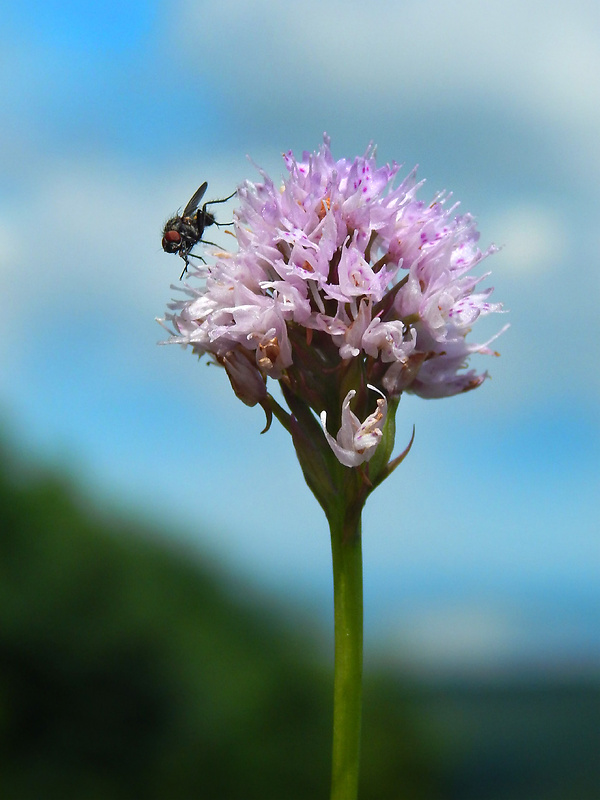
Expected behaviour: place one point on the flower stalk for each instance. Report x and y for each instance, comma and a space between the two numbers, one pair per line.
347, 291
346, 549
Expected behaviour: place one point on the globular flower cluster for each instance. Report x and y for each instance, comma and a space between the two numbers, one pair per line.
340, 282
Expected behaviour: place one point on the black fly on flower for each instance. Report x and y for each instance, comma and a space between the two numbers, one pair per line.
182, 233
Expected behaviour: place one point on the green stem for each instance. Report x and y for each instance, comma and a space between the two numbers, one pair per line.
347, 689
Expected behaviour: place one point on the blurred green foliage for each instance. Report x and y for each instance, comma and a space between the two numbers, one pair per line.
130, 670
126, 671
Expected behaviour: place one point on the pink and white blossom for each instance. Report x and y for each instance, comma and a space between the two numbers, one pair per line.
356, 441
335, 267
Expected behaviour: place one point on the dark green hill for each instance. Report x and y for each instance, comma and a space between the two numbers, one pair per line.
130, 670
127, 671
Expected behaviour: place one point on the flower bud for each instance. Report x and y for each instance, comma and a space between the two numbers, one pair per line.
244, 376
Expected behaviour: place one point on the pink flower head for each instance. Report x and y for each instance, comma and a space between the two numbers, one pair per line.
340, 273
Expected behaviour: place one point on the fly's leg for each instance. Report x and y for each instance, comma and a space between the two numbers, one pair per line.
214, 202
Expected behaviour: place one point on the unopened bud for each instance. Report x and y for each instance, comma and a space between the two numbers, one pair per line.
246, 379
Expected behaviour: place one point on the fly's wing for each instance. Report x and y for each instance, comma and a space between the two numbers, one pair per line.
195, 200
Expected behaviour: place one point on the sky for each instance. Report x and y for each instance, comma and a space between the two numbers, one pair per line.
481, 552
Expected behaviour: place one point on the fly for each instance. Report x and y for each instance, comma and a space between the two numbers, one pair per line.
181, 234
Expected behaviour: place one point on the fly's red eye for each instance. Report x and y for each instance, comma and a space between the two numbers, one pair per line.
171, 236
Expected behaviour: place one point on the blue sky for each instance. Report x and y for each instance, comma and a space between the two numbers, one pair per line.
482, 550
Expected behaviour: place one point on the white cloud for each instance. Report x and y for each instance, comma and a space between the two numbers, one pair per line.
537, 61
534, 238
462, 636
98, 231
490, 633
